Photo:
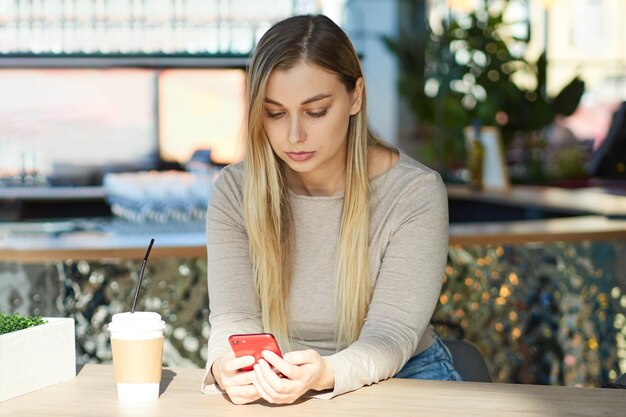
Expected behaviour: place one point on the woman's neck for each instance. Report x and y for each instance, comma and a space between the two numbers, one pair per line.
332, 183
318, 184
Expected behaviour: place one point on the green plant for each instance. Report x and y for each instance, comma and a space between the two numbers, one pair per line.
458, 70
14, 322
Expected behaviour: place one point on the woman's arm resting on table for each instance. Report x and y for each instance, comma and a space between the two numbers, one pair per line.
406, 290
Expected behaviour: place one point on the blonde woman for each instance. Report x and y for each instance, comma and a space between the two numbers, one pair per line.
323, 235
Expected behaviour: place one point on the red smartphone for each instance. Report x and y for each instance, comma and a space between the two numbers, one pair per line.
253, 344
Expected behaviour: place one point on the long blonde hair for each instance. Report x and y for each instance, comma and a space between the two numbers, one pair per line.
267, 209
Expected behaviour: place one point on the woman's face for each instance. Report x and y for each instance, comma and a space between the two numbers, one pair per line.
306, 115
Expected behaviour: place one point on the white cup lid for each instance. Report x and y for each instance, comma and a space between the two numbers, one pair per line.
137, 321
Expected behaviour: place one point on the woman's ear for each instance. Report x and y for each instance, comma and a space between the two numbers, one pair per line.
357, 96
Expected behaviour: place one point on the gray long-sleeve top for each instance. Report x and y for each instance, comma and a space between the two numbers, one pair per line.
408, 250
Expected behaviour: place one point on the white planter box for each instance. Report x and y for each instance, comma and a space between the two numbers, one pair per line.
36, 357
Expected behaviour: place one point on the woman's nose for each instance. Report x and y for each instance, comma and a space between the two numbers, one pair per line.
296, 132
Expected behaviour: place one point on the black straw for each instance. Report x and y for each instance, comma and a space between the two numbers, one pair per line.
143, 267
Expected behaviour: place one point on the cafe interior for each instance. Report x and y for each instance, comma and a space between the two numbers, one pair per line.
116, 117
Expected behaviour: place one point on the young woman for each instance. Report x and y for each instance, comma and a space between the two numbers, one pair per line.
323, 236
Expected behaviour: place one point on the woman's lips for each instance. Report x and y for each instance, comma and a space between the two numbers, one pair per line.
300, 156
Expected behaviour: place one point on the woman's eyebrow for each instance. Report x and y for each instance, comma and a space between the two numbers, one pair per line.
307, 101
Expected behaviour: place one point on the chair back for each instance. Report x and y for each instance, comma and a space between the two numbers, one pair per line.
468, 361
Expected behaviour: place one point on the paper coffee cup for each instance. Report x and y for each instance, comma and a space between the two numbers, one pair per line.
137, 346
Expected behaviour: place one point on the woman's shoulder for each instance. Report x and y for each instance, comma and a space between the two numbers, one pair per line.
409, 187
405, 193
231, 175
381, 160
419, 170
403, 170
228, 186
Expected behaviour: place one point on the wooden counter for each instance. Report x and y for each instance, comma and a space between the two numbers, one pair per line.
553, 230
93, 393
55, 245
574, 201
597, 215
98, 245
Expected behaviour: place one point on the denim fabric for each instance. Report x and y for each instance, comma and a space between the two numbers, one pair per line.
433, 363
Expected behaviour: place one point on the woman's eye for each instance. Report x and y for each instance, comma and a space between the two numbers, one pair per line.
318, 113
274, 114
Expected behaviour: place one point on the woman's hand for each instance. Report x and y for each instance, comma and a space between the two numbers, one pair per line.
237, 384
302, 370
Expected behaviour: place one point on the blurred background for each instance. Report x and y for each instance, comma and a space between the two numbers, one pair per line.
97, 86
117, 115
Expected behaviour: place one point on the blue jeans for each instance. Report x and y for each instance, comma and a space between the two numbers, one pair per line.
433, 363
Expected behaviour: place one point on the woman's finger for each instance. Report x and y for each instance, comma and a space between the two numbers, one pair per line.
273, 383
285, 368
260, 384
241, 378
235, 364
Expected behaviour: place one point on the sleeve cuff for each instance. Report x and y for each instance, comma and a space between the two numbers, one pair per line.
208, 385
320, 395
